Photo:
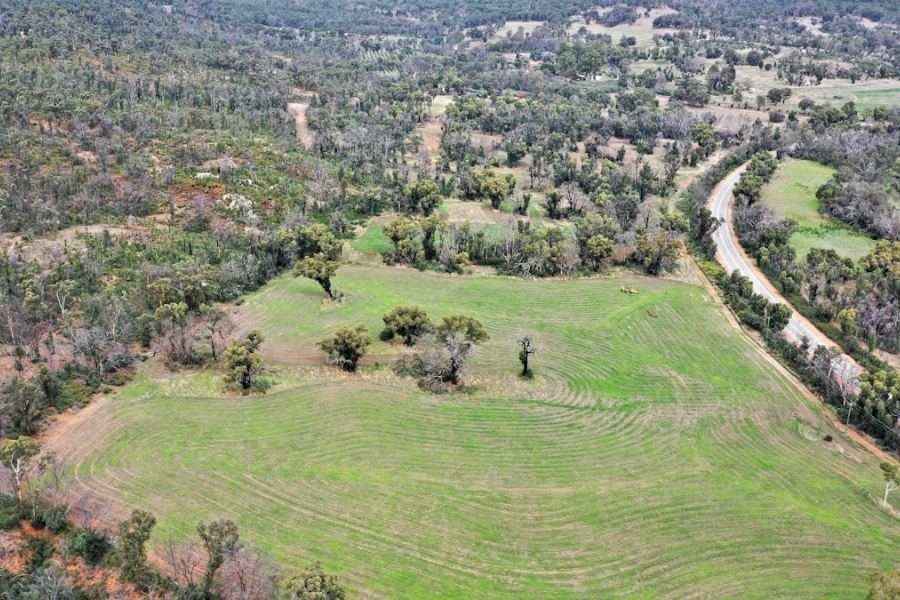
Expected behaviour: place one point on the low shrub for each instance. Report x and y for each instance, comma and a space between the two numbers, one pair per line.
89, 545
9, 513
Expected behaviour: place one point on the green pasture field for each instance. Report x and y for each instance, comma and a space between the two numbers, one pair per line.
842, 239
650, 457
372, 241
792, 193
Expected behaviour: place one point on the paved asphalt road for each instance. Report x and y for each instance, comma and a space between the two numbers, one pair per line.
732, 258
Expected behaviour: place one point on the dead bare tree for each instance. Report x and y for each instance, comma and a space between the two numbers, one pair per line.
185, 561
248, 575
91, 513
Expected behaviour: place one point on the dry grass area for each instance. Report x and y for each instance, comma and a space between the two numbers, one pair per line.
477, 213
649, 457
866, 93
642, 29
815, 28
439, 104
513, 27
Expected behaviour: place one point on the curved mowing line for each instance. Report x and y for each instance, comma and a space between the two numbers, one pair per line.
649, 457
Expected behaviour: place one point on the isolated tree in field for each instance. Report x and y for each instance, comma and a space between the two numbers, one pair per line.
526, 349
314, 584
132, 540
15, 456
242, 362
221, 541
409, 322
459, 335
347, 346
891, 479
319, 269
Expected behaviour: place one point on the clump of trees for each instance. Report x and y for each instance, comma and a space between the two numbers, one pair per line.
753, 309
322, 258
408, 322
445, 353
759, 171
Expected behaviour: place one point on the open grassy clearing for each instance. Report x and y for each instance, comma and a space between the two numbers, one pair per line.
430, 131
651, 457
642, 29
792, 193
513, 27
839, 238
866, 94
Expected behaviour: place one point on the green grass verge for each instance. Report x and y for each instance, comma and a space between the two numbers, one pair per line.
650, 457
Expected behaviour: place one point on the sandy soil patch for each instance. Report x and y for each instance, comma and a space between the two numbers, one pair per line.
430, 133
473, 212
298, 111
223, 163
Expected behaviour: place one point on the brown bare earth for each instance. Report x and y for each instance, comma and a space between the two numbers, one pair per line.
430, 131
298, 111
431, 136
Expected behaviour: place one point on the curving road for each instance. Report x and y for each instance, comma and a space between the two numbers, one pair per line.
732, 257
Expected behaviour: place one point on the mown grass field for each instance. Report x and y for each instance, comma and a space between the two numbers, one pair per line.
650, 457
792, 193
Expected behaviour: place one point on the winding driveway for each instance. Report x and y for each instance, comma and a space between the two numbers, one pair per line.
732, 256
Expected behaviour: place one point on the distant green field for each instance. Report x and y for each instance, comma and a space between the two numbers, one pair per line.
792, 192
878, 95
650, 458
